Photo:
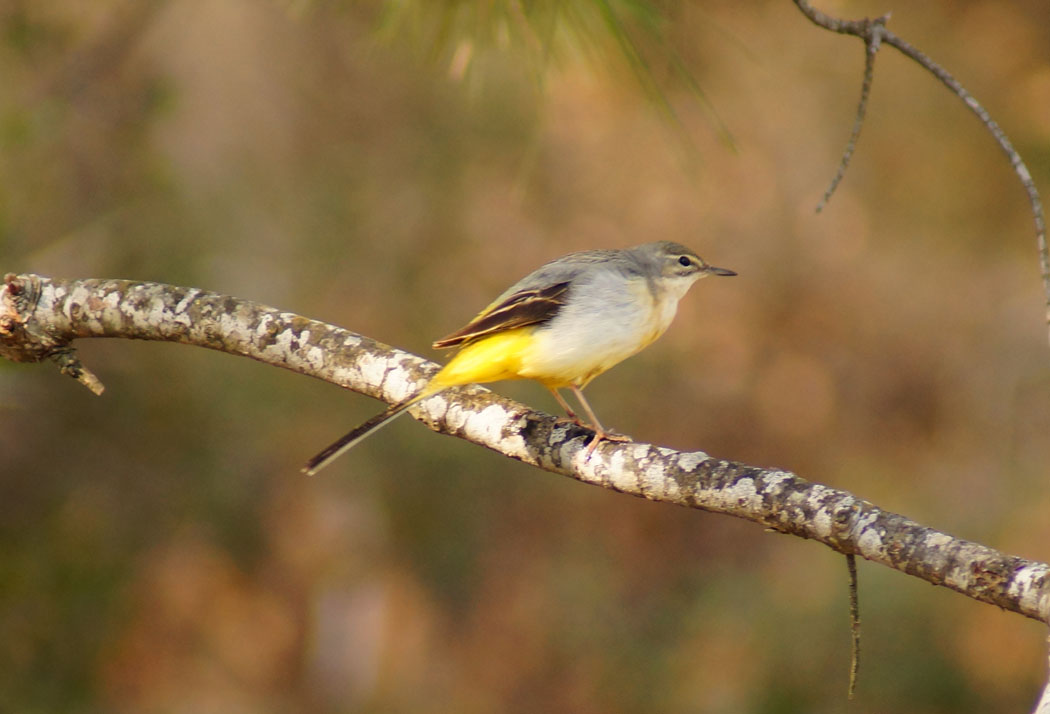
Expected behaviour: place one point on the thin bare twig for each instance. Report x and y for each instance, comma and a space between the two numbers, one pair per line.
872, 40
854, 624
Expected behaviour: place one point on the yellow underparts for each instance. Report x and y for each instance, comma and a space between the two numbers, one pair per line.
490, 359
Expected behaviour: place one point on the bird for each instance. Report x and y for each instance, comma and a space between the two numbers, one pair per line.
562, 325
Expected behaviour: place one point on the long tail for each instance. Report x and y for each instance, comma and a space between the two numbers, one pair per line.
358, 434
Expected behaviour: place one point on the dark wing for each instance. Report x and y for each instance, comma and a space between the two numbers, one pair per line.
523, 308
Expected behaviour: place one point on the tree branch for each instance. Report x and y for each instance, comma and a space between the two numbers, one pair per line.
874, 32
39, 316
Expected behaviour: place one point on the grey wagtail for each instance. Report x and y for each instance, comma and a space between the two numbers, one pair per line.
562, 325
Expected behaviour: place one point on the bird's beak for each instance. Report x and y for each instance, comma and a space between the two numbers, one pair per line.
718, 271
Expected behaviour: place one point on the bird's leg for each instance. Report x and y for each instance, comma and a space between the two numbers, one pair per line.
568, 410
599, 431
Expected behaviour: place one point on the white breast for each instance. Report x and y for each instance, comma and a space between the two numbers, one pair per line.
606, 321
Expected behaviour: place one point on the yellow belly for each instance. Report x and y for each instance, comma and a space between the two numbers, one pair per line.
490, 359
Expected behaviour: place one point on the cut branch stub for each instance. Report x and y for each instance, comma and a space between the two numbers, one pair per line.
25, 339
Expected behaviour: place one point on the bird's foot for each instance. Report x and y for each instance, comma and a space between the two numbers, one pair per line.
601, 435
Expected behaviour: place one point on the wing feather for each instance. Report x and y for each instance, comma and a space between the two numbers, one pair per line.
523, 308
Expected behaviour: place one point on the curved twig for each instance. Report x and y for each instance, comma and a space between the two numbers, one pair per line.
40, 315
874, 31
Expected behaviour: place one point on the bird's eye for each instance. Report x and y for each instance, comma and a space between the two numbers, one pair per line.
684, 261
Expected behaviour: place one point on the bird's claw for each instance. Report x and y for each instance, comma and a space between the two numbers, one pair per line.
600, 436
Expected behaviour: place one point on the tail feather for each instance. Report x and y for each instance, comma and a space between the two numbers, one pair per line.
359, 433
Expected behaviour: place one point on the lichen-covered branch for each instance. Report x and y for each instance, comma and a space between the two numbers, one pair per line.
41, 316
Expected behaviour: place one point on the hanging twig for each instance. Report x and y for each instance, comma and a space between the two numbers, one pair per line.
872, 41
854, 624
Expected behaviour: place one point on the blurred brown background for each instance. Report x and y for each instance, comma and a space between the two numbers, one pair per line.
391, 167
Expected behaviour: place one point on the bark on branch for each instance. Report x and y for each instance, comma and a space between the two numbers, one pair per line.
40, 317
